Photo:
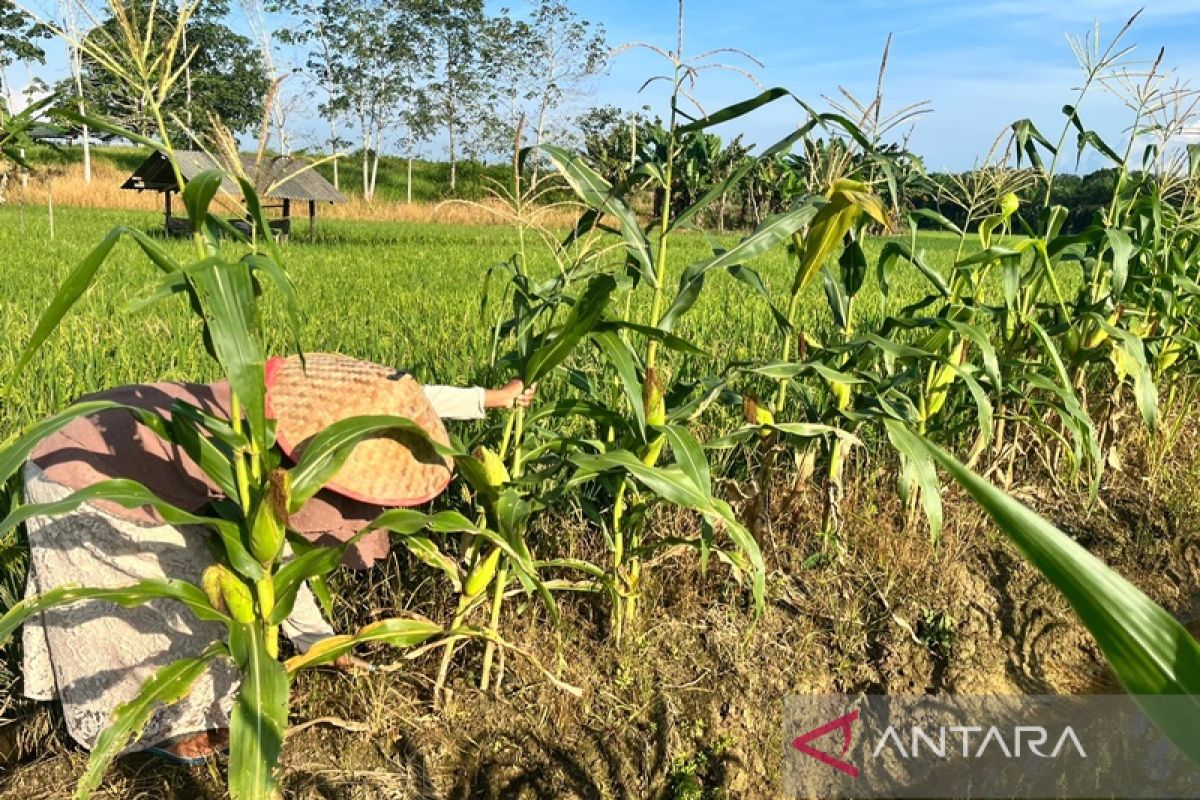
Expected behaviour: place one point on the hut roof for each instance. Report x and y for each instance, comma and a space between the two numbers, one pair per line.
278, 177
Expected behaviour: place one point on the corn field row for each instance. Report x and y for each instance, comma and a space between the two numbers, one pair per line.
1026, 350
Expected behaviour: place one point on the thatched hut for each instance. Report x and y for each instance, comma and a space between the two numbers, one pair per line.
279, 180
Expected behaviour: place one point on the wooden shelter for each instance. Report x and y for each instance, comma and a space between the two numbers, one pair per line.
279, 178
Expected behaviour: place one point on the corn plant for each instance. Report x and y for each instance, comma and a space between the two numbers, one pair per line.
250, 588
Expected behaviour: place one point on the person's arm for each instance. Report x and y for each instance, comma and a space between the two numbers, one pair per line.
453, 402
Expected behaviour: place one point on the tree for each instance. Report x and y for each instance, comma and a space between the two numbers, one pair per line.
226, 74
455, 31
307, 30
534, 67
19, 36
565, 51
505, 67
368, 58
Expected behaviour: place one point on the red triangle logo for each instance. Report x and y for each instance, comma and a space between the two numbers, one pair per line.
842, 724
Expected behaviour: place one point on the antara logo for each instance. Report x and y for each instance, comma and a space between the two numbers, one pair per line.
976, 742
842, 724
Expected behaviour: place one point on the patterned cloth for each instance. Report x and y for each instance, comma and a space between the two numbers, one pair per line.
96, 655
93, 656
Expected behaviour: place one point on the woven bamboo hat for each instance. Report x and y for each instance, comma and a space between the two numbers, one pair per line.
386, 470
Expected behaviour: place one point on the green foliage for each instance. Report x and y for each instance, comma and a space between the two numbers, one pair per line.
225, 75
982, 340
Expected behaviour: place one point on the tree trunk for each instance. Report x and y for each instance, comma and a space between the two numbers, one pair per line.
451, 119
77, 69
337, 184
374, 170
408, 181
453, 165
366, 173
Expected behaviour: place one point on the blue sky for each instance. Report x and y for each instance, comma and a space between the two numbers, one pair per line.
982, 65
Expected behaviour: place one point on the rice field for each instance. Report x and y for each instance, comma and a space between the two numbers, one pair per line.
403, 294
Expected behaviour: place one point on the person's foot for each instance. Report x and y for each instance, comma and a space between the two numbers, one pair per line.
197, 745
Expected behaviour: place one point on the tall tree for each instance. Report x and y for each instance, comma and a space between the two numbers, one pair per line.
19, 36
456, 30
73, 13
565, 50
227, 76
306, 30
366, 55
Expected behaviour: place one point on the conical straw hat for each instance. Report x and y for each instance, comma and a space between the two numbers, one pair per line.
387, 470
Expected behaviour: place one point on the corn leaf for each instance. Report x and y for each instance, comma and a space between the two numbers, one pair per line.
735, 110
766, 236
326, 452
226, 293
598, 194
166, 687
128, 596
402, 633
131, 494
1148, 650
918, 473
260, 716
585, 313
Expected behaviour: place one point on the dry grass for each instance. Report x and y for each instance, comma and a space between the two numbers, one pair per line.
66, 187
697, 687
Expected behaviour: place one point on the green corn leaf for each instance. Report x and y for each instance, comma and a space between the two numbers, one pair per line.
17, 449
314, 562
735, 110
669, 483
770, 233
1148, 650
326, 452
166, 687
1028, 137
291, 303
598, 194
668, 340
214, 461
825, 235
131, 494
1133, 357
838, 297
751, 278
263, 226
259, 719
198, 195
401, 633
897, 250
67, 295
689, 455
988, 256
1122, 249
938, 219
853, 263
127, 596
720, 188
744, 540
619, 354
226, 293
917, 471
586, 312
101, 124
425, 551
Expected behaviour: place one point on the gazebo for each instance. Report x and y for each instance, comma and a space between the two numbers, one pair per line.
279, 178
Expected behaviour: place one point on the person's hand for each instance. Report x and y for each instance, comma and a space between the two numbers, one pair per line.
512, 394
